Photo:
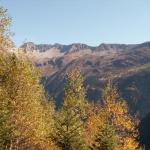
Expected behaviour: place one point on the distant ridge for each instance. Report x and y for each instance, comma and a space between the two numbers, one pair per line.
129, 65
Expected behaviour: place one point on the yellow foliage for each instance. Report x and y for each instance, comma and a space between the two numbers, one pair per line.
114, 111
5, 42
22, 99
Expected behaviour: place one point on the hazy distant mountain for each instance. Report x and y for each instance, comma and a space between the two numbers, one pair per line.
129, 65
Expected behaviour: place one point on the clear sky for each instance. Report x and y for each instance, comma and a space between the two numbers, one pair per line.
80, 21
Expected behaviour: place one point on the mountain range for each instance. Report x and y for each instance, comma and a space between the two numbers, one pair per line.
127, 64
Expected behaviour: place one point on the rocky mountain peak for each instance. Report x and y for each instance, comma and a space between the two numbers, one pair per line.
29, 46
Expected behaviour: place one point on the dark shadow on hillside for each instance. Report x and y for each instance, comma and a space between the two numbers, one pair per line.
144, 130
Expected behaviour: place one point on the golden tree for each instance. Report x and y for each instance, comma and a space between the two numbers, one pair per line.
75, 92
5, 42
114, 112
24, 117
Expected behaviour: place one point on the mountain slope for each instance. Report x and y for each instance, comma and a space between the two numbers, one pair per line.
129, 65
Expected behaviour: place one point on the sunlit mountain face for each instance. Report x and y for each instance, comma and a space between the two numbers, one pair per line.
128, 65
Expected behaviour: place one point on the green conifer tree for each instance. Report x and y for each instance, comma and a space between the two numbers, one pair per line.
69, 123
105, 139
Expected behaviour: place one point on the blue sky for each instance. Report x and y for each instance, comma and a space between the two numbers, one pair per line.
80, 21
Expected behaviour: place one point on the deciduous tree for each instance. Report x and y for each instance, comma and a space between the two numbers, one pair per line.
5, 20
114, 112
24, 118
